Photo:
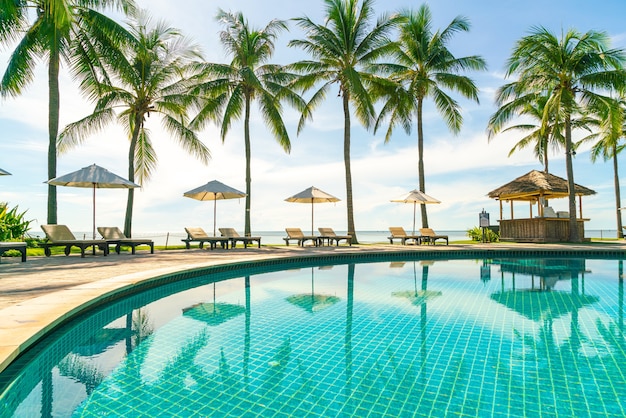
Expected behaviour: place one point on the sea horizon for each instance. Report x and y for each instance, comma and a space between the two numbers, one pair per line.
276, 237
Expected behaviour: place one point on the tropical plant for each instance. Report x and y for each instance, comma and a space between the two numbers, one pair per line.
149, 74
343, 50
48, 34
13, 224
570, 70
424, 68
248, 77
609, 120
476, 234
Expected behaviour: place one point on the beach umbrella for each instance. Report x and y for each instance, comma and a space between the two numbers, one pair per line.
313, 302
312, 195
214, 190
416, 197
4, 173
94, 177
213, 313
415, 296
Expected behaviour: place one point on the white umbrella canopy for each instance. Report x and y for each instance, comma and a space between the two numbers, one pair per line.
4, 173
312, 195
416, 197
214, 190
94, 177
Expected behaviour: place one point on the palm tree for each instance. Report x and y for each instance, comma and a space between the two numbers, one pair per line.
425, 67
536, 137
233, 87
541, 137
47, 35
610, 124
342, 50
150, 75
570, 71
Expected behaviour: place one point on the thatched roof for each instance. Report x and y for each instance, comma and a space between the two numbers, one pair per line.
536, 184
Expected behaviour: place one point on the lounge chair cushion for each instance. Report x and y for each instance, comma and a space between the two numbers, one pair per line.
430, 236
197, 234
61, 236
234, 237
330, 235
397, 232
58, 233
114, 235
296, 234
111, 232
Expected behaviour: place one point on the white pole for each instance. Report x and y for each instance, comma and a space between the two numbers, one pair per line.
94, 211
312, 216
214, 214
414, 206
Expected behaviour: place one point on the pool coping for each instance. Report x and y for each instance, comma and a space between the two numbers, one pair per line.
23, 324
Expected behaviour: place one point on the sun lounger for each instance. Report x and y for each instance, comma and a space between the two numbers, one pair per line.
398, 233
233, 236
429, 236
198, 235
328, 235
9, 245
114, 236
61, 236
296, 234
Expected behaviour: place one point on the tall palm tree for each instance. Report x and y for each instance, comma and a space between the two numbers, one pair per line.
536, 137
609, 119
424, 68
47, 34
233, 87
570, 70
150, 75
342, 49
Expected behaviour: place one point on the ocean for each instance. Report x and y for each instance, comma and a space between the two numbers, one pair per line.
365, 237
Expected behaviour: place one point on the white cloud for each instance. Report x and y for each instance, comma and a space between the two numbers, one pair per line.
460, 170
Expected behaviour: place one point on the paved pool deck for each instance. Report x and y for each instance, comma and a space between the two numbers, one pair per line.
39, 294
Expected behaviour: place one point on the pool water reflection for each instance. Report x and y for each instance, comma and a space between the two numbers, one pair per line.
496, 337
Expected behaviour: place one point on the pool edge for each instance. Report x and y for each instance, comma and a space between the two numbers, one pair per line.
24, 326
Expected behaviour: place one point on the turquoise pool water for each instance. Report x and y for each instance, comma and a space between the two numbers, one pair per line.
488, 337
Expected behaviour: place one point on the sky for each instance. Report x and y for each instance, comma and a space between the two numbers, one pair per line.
460, 169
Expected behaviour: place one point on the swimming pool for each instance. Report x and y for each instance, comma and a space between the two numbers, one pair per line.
401, 337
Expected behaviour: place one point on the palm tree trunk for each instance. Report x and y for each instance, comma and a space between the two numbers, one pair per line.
246, 127
618, 199
128, 220
545, 157
348, 336
420, 158
573, 225
346, 160
53, 128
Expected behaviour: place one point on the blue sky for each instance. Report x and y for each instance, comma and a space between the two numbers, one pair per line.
460, 170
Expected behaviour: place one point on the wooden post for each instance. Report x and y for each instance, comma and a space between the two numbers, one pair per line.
500, 208
580, 205
511, 203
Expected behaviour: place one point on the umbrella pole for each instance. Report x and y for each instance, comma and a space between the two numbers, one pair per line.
311, 216
94, 212
414, 206
214, 214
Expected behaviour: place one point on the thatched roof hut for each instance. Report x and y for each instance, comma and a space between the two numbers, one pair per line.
534, 187
537, 184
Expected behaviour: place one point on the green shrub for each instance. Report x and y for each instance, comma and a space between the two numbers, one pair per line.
476, 234
13, 226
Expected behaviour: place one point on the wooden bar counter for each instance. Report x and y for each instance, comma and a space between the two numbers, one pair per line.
538, 229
